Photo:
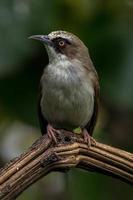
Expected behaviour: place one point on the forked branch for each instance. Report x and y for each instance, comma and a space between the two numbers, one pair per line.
44, 157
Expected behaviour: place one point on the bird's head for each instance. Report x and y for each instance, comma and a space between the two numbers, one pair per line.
62, 45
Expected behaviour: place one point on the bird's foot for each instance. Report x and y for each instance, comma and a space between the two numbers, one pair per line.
88, 139
51, 133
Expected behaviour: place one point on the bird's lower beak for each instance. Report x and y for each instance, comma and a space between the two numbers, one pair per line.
43, 38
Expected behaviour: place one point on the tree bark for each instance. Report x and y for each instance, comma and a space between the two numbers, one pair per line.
44, 156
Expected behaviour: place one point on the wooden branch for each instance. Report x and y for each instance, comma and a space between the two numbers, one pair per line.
44, 157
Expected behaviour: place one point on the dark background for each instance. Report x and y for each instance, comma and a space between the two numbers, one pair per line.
106, 27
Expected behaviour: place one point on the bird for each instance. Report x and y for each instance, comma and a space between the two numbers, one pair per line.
69, 86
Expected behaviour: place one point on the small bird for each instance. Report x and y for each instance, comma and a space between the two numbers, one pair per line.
69, 86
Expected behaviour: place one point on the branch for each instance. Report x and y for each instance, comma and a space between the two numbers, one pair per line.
44, 157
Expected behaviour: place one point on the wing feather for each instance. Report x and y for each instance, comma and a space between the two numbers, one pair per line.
91, 124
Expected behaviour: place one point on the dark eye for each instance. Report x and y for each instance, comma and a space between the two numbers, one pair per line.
61, 43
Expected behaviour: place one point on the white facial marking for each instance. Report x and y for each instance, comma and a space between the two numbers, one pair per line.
62, 34
54, 57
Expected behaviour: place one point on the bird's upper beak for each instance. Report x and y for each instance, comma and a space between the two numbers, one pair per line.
43, 38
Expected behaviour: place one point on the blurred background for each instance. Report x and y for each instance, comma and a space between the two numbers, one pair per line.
106, 27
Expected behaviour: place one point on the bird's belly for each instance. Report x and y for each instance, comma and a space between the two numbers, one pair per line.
67, 105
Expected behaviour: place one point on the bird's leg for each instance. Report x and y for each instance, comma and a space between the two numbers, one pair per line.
51, 133
88, 139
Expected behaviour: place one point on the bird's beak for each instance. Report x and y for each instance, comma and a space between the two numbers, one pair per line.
43, 38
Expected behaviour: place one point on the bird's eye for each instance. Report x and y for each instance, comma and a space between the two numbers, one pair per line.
61, 43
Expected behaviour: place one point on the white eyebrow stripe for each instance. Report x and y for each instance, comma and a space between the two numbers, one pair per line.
62, 34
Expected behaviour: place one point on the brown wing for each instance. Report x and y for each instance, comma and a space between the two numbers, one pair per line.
91, 124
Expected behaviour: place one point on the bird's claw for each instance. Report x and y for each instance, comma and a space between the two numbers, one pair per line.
51, 133
88, 139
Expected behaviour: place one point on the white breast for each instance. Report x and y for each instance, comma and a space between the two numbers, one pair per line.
67, 95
